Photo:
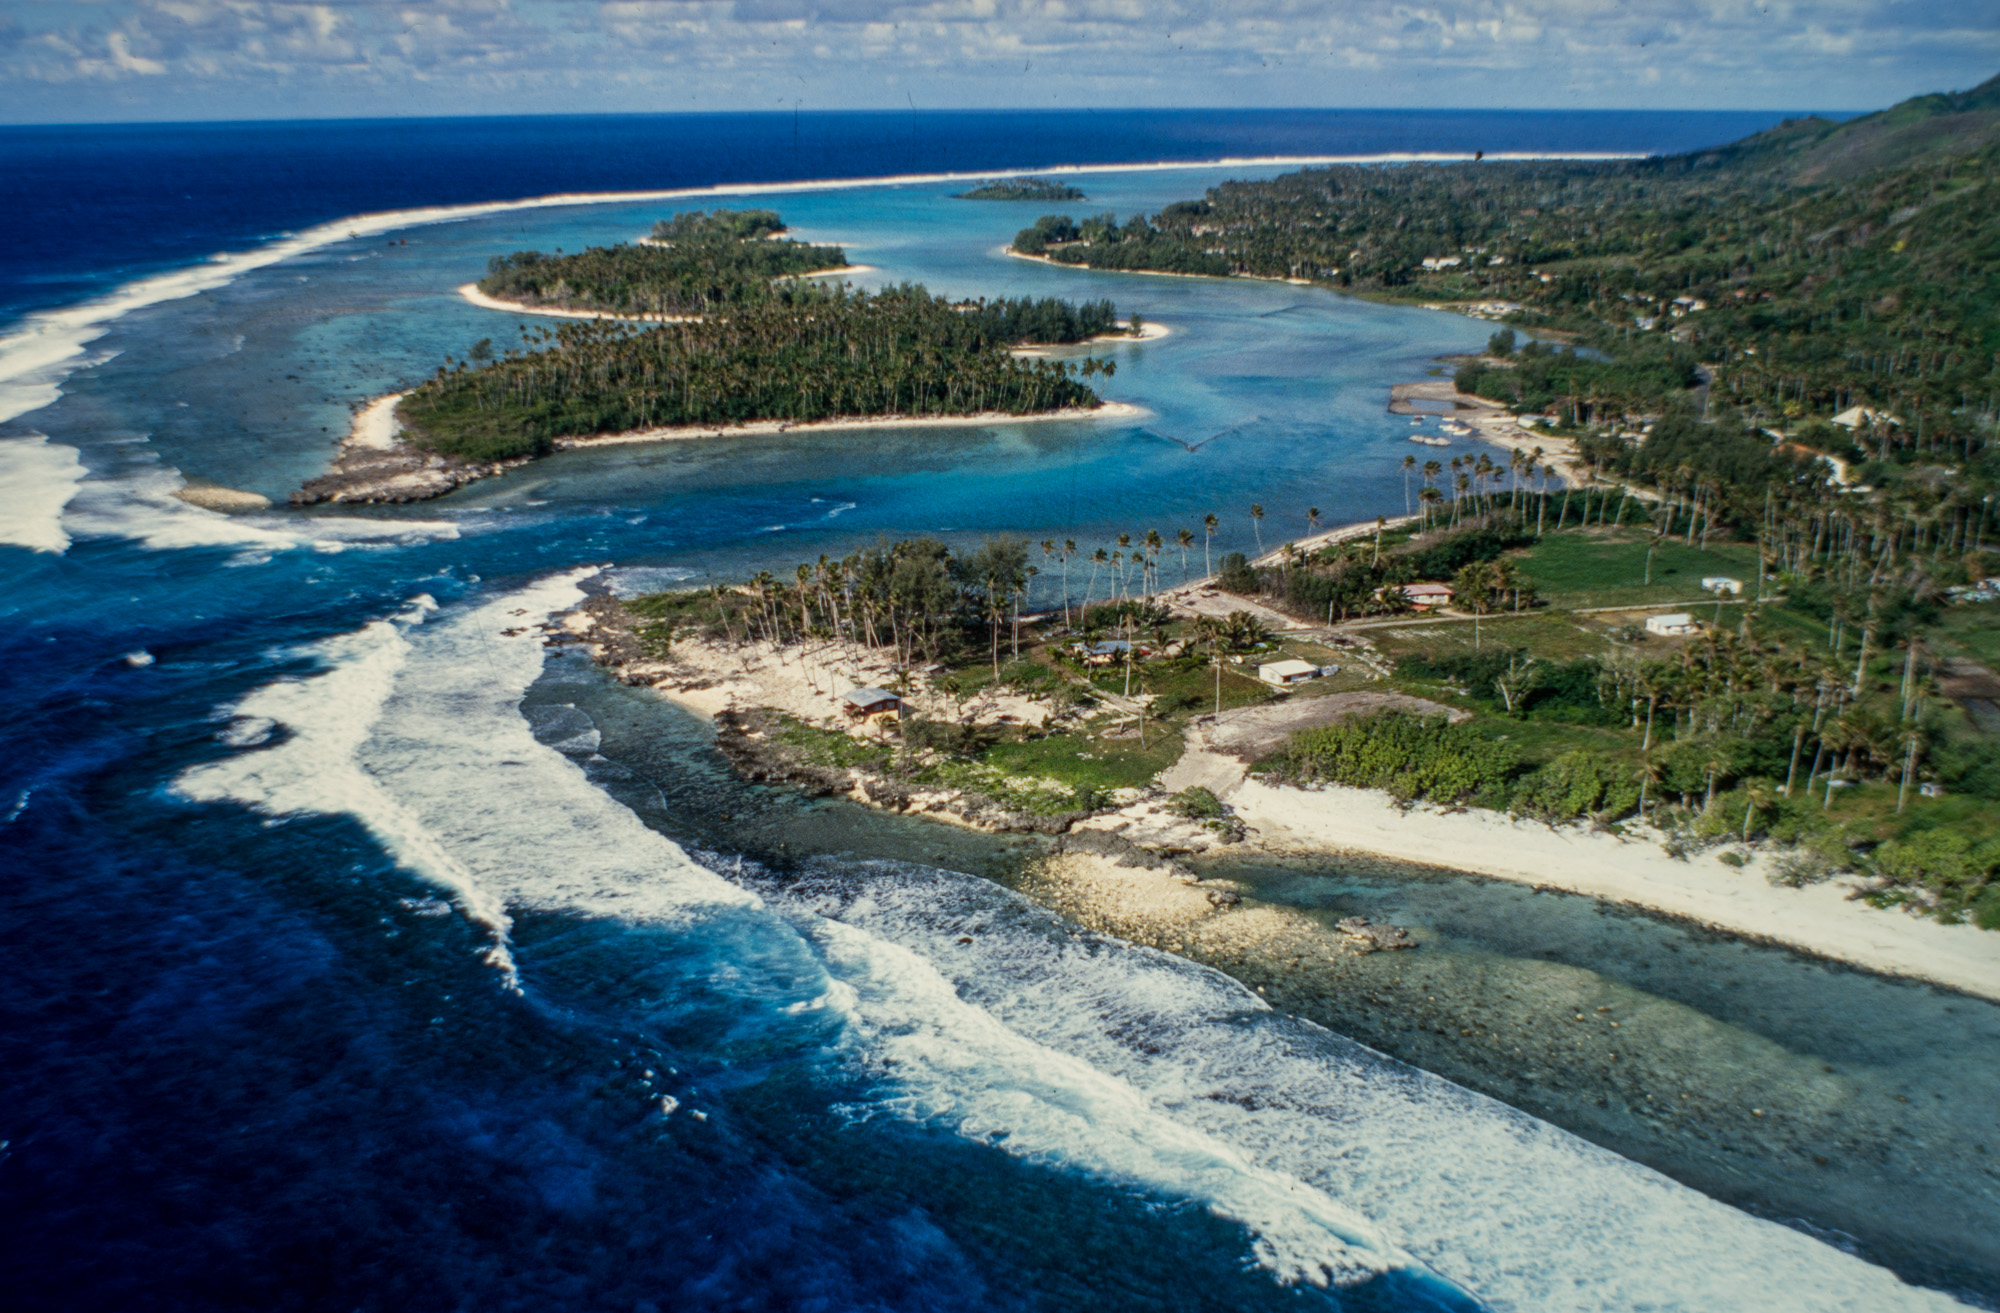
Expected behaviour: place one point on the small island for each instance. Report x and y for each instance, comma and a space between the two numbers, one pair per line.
693, 263
708, 329
1022, 189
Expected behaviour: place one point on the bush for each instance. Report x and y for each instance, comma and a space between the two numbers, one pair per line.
1949, 866
1197, 804
1820, 857
1413, 757
1236, 576
1578, 783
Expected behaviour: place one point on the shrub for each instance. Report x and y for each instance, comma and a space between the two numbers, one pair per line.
1820, 857
1413, 757
1948, 865
1578, 783
1196, 804
1236, 576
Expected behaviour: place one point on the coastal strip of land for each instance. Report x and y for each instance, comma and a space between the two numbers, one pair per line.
374, 464
1109, 411
1134, 845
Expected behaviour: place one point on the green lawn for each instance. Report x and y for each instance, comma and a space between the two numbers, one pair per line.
1545, 634
1573, 570
1084, 762
1974, 631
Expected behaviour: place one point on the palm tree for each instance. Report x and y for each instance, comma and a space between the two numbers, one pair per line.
1208, 524
1312, 520
1430, 497
1210, 630
1185, 537
1756, 796
1648, 774
1409, 464
1062, 559
1256, 525
1713, 765
1153, 545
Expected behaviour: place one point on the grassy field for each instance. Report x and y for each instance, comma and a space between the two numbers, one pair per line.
1973, 631
1573, 570
1542, 633
1082, 761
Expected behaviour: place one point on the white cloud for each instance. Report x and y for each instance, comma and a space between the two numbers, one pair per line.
427, 55
122, 57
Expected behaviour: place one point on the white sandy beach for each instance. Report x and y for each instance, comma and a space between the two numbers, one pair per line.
1110, 410
471, 292
376, 425
1148, 332
1820, 919
1013, 254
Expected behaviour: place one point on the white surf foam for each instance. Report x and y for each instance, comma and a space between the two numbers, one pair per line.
415, 729
951, 1063
1524, 1215
435, 760
37, 479
141, 506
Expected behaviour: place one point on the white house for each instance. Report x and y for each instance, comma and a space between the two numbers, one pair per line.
1281, 674
1435, 262
1671, 626
1721, 583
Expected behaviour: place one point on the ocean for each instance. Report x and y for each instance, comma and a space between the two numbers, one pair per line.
357, 952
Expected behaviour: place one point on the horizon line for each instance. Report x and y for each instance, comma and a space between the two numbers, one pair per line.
941, 112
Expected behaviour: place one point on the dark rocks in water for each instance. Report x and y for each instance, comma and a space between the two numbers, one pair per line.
1367, 937
1115, 848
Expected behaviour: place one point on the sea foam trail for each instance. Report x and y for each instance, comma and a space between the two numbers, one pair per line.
37, 479
141, 506
1528, 1217
415, 730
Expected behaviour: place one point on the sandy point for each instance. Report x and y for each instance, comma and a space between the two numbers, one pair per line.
471, 292
376, 424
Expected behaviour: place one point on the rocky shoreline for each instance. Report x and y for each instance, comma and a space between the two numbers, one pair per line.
393, 476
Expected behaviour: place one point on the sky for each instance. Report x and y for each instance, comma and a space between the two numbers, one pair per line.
131, 60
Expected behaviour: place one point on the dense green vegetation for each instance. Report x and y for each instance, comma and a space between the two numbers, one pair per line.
700, 226
1100, 243
1693, 325
1022, 189
696, 263
805, 354
1767, 285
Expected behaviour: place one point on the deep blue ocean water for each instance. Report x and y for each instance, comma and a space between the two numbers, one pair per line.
340, 968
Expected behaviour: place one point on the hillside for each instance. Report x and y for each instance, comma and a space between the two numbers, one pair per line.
1812, 150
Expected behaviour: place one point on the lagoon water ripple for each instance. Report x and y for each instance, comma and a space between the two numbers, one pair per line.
337, 975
